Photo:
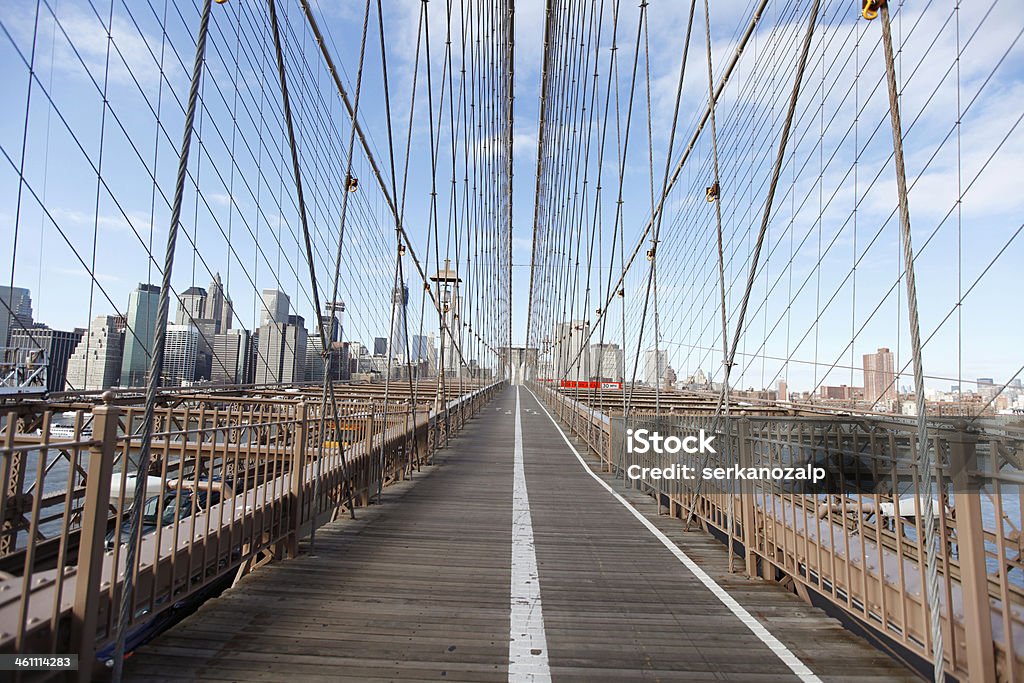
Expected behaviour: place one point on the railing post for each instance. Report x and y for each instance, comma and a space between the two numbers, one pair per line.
368, 460
748, 515
970, 540
95, 513
298, 467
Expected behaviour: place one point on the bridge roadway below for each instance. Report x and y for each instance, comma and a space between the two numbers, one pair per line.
437, 581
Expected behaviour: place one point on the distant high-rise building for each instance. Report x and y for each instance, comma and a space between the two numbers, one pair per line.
418, 349
191, 306
448, 281
218, 306
57, 345
334, 313
231, 357
782, 393
15, 311
139, 333
380, 346
879, 377
568, 357
282, 352
179, 368
96, 361
606, 362
275, 307
655, 366
399, 327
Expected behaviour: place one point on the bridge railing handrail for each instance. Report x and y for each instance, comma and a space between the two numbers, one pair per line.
857, 549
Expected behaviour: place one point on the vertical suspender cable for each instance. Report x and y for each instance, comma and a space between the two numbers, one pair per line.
765, 219
924, 460
157, 358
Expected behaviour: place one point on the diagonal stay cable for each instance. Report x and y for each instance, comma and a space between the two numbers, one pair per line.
156, 360
769, 201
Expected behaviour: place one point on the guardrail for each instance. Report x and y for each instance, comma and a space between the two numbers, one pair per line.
855, 542
234, 483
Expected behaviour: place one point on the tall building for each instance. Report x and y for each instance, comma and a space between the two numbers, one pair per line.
57, 345
282, 352
275, 307
231, 357
448, 282
96, 361
879, 377
782, 392
182, 342
568, 357
334, 312
418, 349
399, 324
139, 333
380, 346
218, 306
655, 366
15, 311
191, 306
606, 362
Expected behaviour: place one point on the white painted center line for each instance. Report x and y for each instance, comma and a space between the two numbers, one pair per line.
801, 670
527, 643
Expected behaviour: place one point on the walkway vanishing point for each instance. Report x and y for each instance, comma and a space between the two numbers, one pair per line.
509, 559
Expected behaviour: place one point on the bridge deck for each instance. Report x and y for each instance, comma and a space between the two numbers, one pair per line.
418, 588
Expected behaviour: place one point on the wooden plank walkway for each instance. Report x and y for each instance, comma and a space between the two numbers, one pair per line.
418, 588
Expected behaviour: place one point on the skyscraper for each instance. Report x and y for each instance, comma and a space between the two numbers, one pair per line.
448, 282
396, 340
191, 307
334, 312
570, 361
380, 346
282, 352
139, 332
879, 377
58, 346
231, 356
275, 307
218, 306
96, 361
17, 313
606, 362
655, 366
180, 349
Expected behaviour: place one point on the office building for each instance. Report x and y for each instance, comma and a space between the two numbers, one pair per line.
275, 307
380, 346
16, 314
655, 366
140, 329
191, 306
282, 352
879, 377
399, 325
231, 357
606, 362
218, 306
567, 351
96, 361
57, 346
180, 348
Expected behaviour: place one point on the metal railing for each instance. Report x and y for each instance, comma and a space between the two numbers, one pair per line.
855, 540
234, 483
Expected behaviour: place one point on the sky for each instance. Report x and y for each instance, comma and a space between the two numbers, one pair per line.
89, 221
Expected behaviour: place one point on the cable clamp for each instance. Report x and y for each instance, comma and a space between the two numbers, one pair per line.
871, 7
711, 193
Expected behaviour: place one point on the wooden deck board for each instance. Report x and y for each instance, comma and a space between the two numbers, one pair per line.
417, 588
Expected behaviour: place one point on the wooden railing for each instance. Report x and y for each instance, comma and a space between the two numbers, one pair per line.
234, 482
855, 541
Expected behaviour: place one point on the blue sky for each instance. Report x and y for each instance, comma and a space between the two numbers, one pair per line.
243, 220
